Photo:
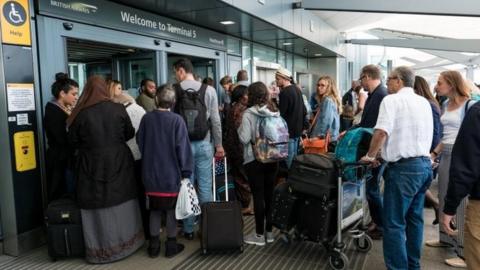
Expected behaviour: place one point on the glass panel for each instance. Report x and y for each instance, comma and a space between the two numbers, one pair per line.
233, 46
246, 59
300, 63
282, 59
289, 62
133, 71
264, 53
202, 67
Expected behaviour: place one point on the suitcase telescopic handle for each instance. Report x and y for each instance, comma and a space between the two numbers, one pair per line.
214, 179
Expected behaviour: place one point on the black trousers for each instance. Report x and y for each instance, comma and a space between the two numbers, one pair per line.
261, 177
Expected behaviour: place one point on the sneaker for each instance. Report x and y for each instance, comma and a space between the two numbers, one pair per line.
255, 239
456, 262
270, 238
436, 244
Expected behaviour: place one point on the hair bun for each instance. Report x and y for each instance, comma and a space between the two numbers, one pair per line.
60, 76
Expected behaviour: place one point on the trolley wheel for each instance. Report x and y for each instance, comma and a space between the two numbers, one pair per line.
338, 261
286, 239
366, 245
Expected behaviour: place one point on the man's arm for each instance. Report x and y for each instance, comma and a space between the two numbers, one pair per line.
464, 169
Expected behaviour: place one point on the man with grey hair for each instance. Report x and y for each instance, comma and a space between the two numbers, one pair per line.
403, 132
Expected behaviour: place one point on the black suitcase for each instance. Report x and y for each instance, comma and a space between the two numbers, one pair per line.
222, 223
284, 210
64, 229
314, 175
316, 219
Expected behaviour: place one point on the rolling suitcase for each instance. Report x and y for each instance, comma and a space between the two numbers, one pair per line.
64, 229
284, 210
222, 223
313, 175
316, 219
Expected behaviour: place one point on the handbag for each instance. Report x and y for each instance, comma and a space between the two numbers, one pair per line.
316, 145
187, 201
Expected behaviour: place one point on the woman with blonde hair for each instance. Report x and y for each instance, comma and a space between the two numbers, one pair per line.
327, 118
452, 85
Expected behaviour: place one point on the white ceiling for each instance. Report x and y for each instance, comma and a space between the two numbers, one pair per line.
442, 26
381, 25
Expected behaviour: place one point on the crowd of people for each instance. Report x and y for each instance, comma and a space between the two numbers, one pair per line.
124, 158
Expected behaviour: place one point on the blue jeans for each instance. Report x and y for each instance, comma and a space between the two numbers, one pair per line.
374, 196
405, 184
292, 150
202, 176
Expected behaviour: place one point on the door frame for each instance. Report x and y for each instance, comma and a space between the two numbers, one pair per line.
52, 34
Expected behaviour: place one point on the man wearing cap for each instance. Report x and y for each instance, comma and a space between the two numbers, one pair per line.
292, 110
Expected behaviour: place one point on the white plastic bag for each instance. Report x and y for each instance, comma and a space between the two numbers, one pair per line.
187, 201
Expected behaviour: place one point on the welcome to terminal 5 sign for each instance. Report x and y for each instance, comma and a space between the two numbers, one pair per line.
112, 15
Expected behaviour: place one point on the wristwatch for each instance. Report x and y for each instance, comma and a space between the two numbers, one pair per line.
368, 158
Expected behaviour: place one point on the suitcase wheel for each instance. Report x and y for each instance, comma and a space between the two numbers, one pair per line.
204, 251
52, 259
241, 249
363, 244
338, 261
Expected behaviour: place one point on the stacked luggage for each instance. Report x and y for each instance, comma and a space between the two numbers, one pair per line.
310, 203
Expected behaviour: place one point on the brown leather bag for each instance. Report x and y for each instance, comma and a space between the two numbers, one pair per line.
316, 145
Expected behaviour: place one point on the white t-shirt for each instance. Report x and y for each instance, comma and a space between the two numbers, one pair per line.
407, 119
451, 121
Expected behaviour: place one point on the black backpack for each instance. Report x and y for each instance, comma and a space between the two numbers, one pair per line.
191, 106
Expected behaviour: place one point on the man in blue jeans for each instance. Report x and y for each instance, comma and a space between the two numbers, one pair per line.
403, 132
370, 79
202, 149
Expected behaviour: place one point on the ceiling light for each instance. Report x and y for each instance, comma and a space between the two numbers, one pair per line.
287, 43
318, 54
227, 22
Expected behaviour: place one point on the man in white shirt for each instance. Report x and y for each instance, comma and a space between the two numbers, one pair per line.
404, 133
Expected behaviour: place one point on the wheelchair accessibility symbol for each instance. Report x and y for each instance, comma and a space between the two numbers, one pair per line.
14, 13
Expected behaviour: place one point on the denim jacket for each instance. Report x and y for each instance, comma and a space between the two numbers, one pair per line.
328, 119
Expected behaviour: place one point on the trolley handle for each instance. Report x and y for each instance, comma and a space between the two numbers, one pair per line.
353, 164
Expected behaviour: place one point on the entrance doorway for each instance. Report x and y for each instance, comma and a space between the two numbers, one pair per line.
202, 67
128, 65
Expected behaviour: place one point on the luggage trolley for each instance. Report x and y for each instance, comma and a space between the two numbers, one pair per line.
351, 212
304, 208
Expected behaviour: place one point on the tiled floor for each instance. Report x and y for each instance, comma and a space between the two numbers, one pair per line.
432, 258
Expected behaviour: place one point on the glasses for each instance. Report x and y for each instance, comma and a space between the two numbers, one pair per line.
362, 77
392, 78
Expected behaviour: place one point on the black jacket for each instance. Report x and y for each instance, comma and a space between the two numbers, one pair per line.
292, 109
465, 164
372, 106
104, 163
59, 153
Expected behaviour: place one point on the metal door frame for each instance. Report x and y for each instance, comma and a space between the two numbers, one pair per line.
52, 34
